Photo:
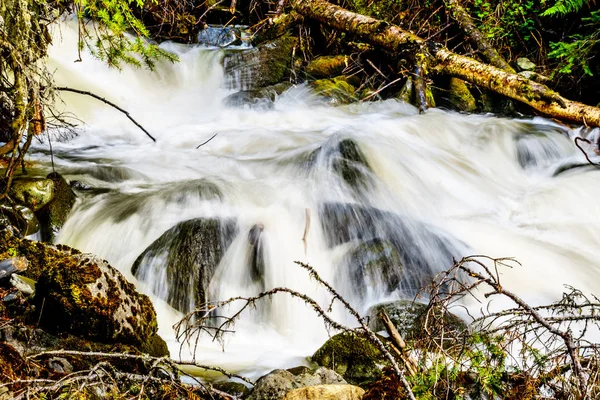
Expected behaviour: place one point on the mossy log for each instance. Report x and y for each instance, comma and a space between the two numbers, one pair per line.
440, 60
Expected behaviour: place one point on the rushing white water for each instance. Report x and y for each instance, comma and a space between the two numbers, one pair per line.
454, 185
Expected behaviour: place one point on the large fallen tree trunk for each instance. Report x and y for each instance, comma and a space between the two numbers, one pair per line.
440, 60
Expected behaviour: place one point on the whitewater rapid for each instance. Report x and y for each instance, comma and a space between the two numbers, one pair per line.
487, 182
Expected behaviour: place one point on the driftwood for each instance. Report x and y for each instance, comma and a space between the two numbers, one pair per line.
439, 60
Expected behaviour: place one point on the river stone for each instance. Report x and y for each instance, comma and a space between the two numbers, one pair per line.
423, 250
83, 295
34, 193
336, 90
267, 64
187, 256
406, 94
409, 318
327, 66
352, 356
374, 264
54, 215
345, 158
525, 64
326, 392
277, 383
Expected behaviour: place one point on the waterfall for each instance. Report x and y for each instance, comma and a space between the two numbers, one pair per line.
339, 188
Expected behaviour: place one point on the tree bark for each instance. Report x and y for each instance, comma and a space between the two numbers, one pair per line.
474, 34
443, 61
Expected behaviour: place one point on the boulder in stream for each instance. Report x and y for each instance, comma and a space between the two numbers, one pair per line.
20, 218
352, 356
179, 265
53, 216
83, 295
33, 193
336, 90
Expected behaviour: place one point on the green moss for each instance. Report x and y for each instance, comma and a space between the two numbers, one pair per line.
460, 96
54, 215
34, 193
352, 356
327, 66
337, 90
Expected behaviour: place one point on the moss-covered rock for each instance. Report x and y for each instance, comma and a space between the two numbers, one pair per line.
34, 193
236, 389
336, 90
327, 66
460, 96
83, 295
155, 346
54, 215
352, 356
187, 256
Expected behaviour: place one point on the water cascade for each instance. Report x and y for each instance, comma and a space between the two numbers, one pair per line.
374, 196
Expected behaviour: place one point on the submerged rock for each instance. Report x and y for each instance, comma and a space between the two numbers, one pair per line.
34, 193
345, 158
422, 249
352, 356
262, 96
276, 384
179, 265
54, 215
83, 295
265, 65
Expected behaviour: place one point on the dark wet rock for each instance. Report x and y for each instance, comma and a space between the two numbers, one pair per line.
257, 262
346, 159
259, 97
336, 90
33, 193
422, 249
406, 93
20, 218
373, 264
85, 296
54, 215
352, 356
327, 66
276, 384
571, 166
184, 259
265, 65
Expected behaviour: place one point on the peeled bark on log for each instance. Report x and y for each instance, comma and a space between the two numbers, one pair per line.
443, 61
474, 34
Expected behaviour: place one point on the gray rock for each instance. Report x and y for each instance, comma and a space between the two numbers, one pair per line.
187, 256
23, 284
276, 384
60, 365
20, 218
534, 76
525, 64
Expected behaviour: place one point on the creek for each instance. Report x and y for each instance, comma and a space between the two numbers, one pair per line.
316, 182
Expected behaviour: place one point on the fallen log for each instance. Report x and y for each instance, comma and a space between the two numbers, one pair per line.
440, 60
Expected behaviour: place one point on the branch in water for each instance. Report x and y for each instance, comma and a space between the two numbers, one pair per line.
102, 99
